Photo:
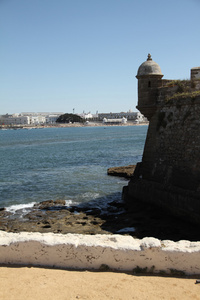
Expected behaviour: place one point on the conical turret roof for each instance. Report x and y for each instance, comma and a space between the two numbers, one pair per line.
149, 67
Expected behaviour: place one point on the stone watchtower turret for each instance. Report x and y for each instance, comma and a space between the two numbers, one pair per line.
149, 77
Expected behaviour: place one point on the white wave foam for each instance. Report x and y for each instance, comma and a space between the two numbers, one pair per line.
23, 207
69, 202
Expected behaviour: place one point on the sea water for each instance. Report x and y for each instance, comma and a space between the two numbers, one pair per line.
66, 163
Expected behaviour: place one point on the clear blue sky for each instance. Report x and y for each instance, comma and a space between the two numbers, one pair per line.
57, 55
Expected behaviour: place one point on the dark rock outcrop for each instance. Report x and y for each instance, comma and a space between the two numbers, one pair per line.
126, 172
48, 204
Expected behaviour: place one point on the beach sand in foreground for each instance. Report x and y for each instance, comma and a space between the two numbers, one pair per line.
40, 283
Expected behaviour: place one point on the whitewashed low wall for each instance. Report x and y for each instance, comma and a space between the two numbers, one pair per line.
92, 251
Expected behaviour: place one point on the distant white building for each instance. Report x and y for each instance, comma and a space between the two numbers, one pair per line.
130, 116
114, 121
51, 119
136, 117
14, 119
140, 118
29, 119
86, 115
37, 120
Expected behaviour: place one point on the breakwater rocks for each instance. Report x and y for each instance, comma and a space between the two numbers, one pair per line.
141, 221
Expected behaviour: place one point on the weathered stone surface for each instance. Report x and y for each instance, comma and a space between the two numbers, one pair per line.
169, 175
126, 171
102, 253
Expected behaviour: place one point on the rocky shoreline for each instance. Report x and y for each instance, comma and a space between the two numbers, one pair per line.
140, 221
143, 220
75, 124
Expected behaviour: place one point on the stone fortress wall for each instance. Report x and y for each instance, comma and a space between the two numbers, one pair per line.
169, 174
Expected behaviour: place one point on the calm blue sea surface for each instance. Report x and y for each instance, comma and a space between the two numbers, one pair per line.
65, 163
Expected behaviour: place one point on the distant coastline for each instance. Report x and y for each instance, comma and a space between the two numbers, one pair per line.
90, 124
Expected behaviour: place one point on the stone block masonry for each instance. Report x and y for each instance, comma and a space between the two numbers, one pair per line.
100, 252
169, 174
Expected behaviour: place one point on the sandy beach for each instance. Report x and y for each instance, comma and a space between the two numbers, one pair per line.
38, 283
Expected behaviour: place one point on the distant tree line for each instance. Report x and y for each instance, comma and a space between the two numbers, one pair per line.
69, 118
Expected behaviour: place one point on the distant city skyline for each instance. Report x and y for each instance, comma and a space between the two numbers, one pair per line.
27, 119
73, 111
84, 55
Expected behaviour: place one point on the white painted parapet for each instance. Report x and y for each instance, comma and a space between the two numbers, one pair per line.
118, 252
